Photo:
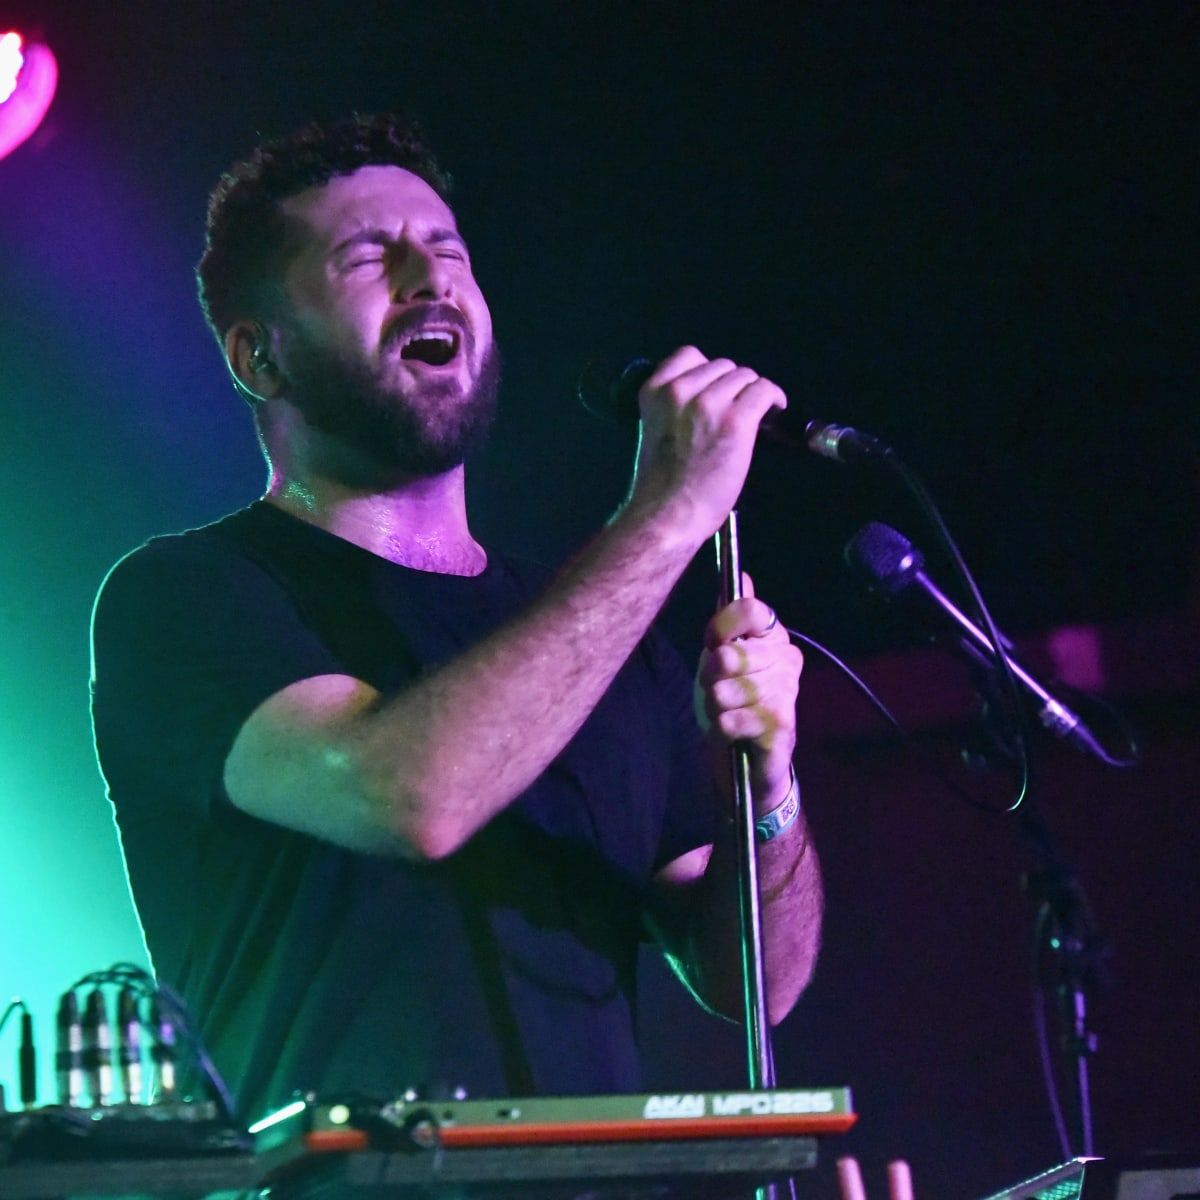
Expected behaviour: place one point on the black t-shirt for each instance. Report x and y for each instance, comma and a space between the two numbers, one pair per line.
508, 967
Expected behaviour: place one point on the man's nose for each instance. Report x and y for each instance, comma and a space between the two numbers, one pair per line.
417, 273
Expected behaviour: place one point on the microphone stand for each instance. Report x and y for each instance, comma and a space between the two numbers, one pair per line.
760, 1060
1064, 926
1069, 953
1064, 929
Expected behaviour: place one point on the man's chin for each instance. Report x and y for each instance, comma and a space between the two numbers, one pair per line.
404, 423
422, 436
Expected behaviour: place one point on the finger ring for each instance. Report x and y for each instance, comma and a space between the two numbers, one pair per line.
773, 621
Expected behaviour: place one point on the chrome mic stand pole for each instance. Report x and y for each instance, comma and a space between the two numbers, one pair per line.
761, 1063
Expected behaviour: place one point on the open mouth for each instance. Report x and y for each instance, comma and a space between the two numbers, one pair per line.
435, 347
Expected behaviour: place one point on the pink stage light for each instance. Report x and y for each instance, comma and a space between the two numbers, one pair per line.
28, 79
11, 61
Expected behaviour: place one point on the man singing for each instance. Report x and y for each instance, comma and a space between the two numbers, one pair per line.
397, 810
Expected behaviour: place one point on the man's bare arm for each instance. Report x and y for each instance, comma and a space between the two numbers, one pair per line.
695, 918
417, 774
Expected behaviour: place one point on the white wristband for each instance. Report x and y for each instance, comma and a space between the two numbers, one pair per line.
781, 817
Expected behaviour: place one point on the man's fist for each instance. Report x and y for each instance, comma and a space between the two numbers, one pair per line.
746, 688
700, 417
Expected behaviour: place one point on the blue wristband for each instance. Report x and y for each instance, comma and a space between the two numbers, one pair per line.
783, 816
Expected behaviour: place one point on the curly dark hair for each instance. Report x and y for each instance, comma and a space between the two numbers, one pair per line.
246, 239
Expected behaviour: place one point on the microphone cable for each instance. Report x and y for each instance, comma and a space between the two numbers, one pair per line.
909, 739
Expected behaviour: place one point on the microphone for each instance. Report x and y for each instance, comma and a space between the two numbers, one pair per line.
129, 1042
68, 1059
889, 564
608, 388
162, 1051
97, 1049
27, 1062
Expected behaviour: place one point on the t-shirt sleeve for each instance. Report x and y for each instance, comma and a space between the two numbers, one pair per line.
692, 810
188, 638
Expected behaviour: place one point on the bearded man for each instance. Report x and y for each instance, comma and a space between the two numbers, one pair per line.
396, 809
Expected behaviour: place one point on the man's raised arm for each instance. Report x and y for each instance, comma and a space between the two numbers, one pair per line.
417, 774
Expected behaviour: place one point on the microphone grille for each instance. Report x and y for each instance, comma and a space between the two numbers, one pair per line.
883, 558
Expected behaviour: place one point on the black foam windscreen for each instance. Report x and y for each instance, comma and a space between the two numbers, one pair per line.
608, 388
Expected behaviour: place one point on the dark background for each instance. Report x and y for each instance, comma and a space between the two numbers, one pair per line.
970, 229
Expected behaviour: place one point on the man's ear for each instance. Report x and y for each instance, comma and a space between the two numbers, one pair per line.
248, 356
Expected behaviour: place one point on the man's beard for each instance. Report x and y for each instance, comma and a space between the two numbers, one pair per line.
379, 432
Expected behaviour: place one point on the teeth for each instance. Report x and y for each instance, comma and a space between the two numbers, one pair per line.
438, 347
430, 335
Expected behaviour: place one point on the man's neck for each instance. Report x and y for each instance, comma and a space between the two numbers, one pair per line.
419, 523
